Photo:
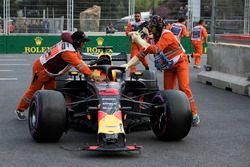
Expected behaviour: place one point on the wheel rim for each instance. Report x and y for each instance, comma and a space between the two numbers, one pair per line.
33, 117
33, 120
159, 124
162, 123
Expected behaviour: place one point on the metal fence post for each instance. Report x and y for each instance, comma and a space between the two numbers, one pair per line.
189, 17
6, 16
4, 23
70, 15
131, 9
213, 20
248, 9
247, 17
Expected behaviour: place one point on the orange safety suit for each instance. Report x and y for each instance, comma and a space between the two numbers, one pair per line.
135, 48
171, 48
179, 30
197, 35
54, 62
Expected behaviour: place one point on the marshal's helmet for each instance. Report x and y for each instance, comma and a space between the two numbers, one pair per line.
78, 37
156, 21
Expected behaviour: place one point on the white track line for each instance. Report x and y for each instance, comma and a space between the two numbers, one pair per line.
15, 64
13, 60
5, 70
2, 56
8, 79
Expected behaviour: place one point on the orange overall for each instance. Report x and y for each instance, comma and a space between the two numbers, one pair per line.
171, 48
135, 48
179, 30
44, 72
197, 35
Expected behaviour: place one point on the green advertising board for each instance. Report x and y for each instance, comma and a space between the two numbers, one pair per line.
29, 43
40, 43
3, 44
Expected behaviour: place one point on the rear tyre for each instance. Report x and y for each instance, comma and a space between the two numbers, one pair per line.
172, 119
47, 116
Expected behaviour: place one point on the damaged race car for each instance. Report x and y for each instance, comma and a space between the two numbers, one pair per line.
108, 106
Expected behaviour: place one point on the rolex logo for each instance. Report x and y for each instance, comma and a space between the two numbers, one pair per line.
38, 41
99, 41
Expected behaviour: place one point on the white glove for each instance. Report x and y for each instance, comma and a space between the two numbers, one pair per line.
133, 35
132, 62
145, 31
137, 39
124, 65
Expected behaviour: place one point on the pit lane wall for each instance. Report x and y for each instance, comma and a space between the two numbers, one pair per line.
39, 43
230, 67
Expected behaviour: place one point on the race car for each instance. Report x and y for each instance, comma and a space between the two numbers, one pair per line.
107, 106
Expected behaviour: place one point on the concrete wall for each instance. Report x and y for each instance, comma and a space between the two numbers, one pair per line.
230, 67
229, 58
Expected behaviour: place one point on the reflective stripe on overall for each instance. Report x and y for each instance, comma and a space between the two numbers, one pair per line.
53, 53
176, 29
196, 33
170, 58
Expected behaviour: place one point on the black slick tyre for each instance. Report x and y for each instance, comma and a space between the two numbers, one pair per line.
172, 116
47, 116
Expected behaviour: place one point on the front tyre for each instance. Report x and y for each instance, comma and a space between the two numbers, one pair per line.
173, 117
47, 116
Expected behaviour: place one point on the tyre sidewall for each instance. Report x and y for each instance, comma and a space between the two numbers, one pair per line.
177, 116
50, 115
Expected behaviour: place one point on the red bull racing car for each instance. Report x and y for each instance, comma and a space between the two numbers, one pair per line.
107, 106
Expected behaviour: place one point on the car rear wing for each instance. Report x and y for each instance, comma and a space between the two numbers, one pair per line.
115, 57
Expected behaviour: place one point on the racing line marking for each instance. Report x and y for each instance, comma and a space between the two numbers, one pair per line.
8, 79
13, 60
14, 64
9, 56
5, 70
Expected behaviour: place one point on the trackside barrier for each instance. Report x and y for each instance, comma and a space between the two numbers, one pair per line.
228, 67
38, 43
249, 91
239, 39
